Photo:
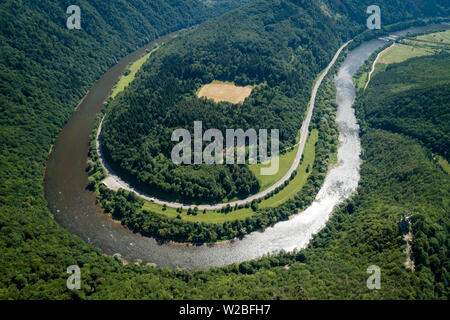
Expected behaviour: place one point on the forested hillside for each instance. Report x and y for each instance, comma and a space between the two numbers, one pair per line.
131, 211
408, 104
46, 69
416, 101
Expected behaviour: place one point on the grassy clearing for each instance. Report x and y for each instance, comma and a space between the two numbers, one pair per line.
424, 45
302, 174
130, 74
439, 37
444, 164
286, 161
224, 92
209, 217
401, 52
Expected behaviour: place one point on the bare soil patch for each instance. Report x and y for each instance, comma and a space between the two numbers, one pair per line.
224, 91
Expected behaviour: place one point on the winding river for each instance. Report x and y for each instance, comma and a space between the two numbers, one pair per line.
75, 208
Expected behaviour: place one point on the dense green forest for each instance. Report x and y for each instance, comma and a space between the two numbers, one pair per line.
420, 110
415, 108
45, 70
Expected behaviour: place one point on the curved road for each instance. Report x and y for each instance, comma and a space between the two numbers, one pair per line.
114, 182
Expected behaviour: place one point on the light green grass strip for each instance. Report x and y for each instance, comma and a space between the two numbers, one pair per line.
267, 181
125, 80
208, 217
444, 164
403, 52
299, 181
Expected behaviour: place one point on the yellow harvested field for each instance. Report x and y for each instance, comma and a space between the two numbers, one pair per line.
224, 91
